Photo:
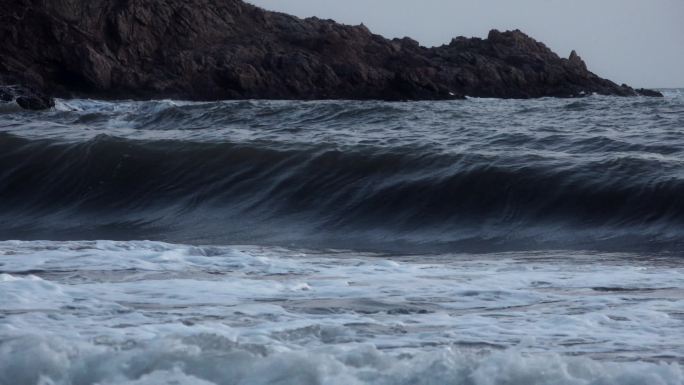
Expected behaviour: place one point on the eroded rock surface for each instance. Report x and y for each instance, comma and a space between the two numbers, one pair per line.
228, 49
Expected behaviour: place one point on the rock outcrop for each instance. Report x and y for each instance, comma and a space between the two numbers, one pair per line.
228, 49
11, 91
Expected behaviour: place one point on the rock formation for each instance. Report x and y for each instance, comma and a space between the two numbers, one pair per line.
228, 49
26, 98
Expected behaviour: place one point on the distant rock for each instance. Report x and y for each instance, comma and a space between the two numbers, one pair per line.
228, 49
651, 93
577, 61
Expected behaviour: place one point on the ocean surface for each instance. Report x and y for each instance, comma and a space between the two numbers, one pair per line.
475, 242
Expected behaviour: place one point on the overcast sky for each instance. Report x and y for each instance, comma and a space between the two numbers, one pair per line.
639, 42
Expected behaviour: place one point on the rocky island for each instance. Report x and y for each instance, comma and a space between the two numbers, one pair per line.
228, 49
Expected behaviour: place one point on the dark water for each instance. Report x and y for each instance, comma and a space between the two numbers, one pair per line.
312, 243
598, 173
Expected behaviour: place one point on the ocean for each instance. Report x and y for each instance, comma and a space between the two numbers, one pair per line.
474, 242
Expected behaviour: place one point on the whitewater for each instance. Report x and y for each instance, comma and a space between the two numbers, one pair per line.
475, 242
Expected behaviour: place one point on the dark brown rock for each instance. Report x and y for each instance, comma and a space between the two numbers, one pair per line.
227, 49
25, 97
650, 93
577, 61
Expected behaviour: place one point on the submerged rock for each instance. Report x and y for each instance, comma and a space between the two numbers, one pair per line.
651, 93
228, 49
25, 97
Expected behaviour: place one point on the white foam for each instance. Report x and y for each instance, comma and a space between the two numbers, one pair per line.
207, 359
114, 312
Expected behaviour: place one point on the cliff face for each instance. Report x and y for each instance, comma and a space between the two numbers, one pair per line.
227, 49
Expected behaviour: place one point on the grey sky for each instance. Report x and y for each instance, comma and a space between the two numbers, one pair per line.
639, 42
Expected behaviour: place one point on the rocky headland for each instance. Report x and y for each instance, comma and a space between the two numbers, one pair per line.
228, 49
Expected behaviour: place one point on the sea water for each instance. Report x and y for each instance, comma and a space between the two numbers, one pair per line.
338, 242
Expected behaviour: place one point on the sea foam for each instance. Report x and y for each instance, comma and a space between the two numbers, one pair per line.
147, 312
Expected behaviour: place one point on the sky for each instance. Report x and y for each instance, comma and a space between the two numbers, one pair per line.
638, 42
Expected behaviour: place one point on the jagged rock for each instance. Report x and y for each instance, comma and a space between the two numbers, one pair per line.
228, 49
651, 93
25, 97
577, 61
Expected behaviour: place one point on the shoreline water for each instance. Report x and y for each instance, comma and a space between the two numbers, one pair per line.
121, 312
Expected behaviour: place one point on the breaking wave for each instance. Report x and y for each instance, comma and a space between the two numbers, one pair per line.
209, 359
220, 191
470, 175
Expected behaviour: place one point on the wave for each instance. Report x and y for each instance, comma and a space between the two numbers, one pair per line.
319, 195
210, 359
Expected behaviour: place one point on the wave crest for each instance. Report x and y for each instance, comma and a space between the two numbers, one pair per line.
217, 192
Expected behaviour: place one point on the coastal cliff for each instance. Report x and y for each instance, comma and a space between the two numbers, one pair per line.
228, 49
